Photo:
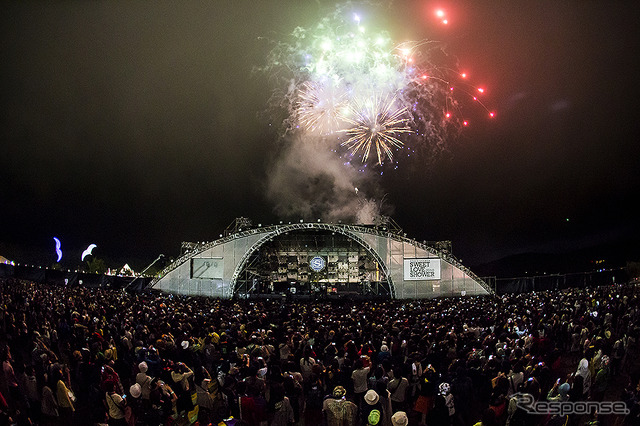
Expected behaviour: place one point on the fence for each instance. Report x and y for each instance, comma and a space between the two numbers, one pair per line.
558, 281
66, 278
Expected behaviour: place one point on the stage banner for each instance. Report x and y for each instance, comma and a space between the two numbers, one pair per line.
207, 268
421, 269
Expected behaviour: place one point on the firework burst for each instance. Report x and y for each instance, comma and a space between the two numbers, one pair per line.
345, 79
319, 107
375, 123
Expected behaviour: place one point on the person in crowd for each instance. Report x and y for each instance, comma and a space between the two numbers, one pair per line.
462, 389
206, 401
338, 410
385, 401
163, 402
414, 376
64, 396
559, 392
181, 377
306, 367
281, 411
29, 384
447, 397
144, 381
359, 378
252, 405
14, 394
601, 380
372, 412
116, 405
110, 377
584, 372
437, 412
135, 404
293, 390
398, 389
49, 404
517, 415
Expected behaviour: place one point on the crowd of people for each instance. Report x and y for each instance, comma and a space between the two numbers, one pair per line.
93, 356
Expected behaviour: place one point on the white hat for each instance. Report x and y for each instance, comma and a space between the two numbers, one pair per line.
135, 390
143, 367
399, 419
384, 348
371, 397
444, 388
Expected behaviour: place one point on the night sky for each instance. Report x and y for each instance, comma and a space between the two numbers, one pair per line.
138, 125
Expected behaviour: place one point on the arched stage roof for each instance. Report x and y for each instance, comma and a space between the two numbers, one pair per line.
405, 268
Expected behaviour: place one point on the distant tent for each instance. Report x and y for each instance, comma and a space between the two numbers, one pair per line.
5, 260
126, 270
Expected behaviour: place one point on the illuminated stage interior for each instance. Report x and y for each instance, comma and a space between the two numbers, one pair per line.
285, 265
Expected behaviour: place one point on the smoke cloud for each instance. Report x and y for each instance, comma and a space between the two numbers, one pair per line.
310, 181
